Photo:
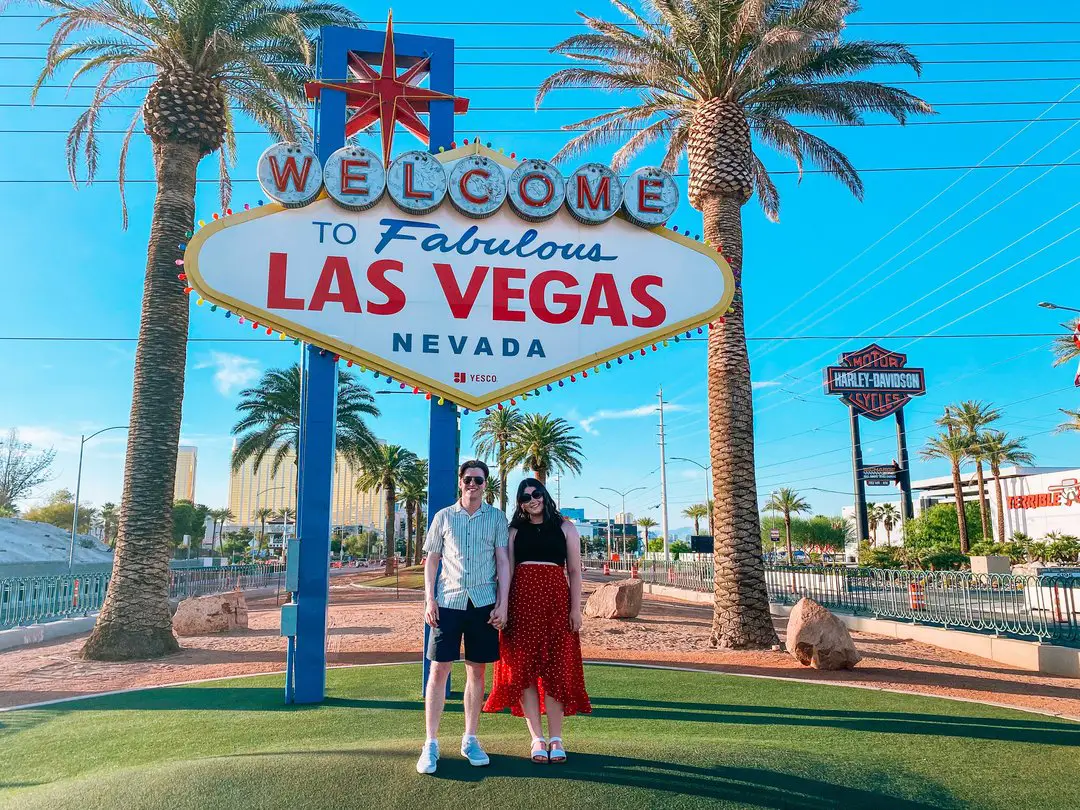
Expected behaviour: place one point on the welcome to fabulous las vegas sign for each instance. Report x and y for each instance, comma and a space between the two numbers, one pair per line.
466, 274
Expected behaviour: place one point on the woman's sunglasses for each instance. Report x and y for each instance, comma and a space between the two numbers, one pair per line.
473, 479
535, 495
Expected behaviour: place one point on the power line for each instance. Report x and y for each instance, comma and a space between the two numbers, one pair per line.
792, 172
590, 108
971, 336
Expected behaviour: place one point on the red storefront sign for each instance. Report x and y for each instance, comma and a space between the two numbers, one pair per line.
1067, 493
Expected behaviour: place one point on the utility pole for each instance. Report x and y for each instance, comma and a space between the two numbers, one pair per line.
663, 481
623, 495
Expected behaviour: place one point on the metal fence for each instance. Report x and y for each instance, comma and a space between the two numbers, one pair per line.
1037, 608
36, 599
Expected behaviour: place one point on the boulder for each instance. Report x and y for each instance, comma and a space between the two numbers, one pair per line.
615, 600
818, 639
216, 613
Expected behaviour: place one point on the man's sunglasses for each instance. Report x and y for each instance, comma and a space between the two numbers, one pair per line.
473, 479
535, 495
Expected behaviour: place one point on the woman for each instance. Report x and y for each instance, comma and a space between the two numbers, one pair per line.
539, 670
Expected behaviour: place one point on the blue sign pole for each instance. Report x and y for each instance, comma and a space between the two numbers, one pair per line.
315, 456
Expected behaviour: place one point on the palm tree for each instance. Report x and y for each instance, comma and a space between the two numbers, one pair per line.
889, 516
696, 513
1066, 347
873, 517
493, 488
707, 77
271, 419
421, 476
1073, 425
970, 417
387, 470
787, 502
203, 59
492, 439
996, 449
413, 492
646, 523
219, 516
110, 515
955, 447
263, 514
544, 444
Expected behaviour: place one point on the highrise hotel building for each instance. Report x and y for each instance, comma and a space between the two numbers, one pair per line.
184, 482
251, 489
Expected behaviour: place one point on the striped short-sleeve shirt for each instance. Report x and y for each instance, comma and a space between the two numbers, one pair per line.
467, 544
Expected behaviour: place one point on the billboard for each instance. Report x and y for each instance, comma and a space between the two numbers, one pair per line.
522, 279
874, 381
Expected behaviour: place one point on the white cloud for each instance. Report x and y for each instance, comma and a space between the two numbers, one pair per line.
42, 437
764, 384
628, 413
231, 371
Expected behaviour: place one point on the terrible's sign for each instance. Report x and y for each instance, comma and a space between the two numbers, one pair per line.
874, 381
880, 475
518, 279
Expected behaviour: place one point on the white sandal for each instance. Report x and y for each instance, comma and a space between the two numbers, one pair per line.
556, 752
539, 750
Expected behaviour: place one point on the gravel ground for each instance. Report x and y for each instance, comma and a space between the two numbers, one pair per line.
375, 626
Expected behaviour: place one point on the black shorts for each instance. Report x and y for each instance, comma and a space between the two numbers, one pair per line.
481, 639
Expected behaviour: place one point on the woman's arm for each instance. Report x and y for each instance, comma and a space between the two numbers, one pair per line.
573, 573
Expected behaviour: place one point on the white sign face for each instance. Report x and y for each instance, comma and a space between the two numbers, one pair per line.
473, 310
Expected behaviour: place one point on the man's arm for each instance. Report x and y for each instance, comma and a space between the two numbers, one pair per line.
503, 573
431, 573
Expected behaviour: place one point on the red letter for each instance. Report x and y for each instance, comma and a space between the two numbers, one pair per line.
604, 286
503, 293
639, 289
603, 192
395, 298
336, 267
523, 190
347, 178
275, 288
463, 185
643, 195
410, 193
538, 300
461, 304
281, 178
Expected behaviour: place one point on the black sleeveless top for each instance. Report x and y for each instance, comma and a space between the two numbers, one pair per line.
540, 542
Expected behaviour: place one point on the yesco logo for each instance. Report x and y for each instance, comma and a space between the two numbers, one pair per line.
477, 185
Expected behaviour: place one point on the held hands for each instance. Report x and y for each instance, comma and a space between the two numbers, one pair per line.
575, 621
431, 612
498, 616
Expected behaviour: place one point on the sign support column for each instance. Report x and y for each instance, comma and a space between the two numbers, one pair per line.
862, 523
907, 511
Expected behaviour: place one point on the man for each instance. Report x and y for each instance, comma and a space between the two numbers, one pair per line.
466, 598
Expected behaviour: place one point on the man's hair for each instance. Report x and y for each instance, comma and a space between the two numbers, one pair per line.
476, 463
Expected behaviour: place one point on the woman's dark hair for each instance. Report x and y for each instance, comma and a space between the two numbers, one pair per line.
551, 511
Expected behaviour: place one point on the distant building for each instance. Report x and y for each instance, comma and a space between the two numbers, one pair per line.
184, 481
251, 489
624, 517
575, 514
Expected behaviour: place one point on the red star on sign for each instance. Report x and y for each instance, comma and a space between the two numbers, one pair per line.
386, 96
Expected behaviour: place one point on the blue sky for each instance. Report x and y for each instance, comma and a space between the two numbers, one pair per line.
931, 252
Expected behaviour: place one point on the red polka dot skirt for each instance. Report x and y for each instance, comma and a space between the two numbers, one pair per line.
537, 647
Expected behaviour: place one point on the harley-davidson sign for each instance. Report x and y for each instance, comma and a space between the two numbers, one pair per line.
523, 279
874, 381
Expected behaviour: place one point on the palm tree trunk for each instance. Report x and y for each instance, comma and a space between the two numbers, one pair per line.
787, 537
391, 546
741, 602
408, 532
502, 477
697, 526
135, 621
984, 514
419, 535
961, 518
995, 470
541, 476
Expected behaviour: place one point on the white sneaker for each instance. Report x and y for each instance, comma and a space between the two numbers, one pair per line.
471, 750
429, 758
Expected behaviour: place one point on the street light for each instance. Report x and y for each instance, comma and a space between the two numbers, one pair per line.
623, 496
284, 513
608, 508
78, 486
708, 490
1048, 305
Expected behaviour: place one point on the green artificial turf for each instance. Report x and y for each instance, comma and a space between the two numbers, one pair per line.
656, 739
